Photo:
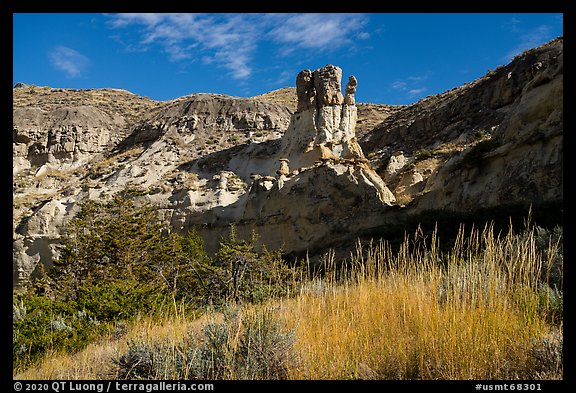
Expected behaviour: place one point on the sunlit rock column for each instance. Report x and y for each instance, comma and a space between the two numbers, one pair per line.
324, 124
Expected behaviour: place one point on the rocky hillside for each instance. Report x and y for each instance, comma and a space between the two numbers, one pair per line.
493, 142
66, 127
305, 167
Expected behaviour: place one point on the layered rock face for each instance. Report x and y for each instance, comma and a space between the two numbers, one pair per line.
202, 113
520, 163
66, 128
57, 135
49, 144
306, 168
65, 155
61, 137
312, 186
497, 141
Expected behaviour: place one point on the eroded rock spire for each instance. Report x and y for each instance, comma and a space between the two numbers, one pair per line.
324, 124
322, 130
350, 91
305, 91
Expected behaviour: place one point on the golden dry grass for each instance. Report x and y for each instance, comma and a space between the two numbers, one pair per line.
404, 316
414, 313
283, 96
397, 329
96, 361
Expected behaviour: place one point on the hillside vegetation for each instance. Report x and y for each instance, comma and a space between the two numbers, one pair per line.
292, 235
487, 307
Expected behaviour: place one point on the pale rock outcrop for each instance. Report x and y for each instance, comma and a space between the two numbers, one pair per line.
283, 172
305, 91
395, 164
324, 125
349, 98
64, 137
324, 183
300, 179
41, 242
317, 207
327, 84
284, 169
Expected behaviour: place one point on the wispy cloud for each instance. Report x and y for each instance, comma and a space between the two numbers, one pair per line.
284, 77
227, 40
416, 92
398, 85
530, 40
363, 35
315, 31
411, 86
232, 40
68, 60
527, 38
512, 25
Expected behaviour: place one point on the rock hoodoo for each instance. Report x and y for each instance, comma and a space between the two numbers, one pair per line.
306, 168
350, 90
324, 124
323, 181
323, 127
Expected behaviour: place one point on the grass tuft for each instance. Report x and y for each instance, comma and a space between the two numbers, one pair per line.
488, 308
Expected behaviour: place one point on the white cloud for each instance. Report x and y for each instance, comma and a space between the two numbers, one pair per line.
68, 60
123, 20
231, 40
227, 40
528, 39
399, 85
411, 86
416, 92
284, 77
316, 31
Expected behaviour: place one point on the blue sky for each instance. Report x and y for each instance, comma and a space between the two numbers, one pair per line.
397, 58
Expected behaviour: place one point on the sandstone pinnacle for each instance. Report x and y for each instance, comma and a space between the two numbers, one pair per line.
350, 91
327, 84
323, 127
305, 170
305, 90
